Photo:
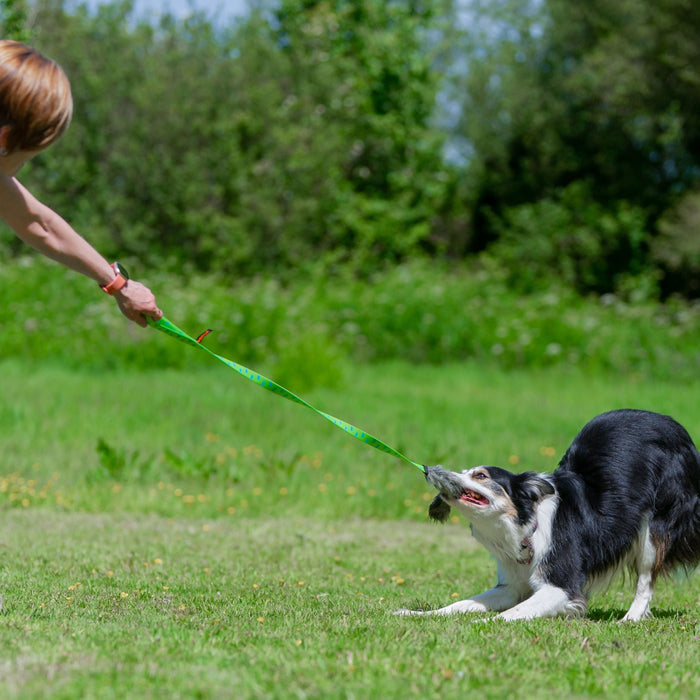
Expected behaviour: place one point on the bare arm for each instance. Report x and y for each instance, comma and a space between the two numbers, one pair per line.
43, 229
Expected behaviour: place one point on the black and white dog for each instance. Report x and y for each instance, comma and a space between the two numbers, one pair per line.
626, 493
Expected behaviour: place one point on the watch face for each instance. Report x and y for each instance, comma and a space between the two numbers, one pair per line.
119, 269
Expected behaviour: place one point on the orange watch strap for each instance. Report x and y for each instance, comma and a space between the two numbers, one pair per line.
115, 285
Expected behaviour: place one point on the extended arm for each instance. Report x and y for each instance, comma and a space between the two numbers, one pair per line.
43, 229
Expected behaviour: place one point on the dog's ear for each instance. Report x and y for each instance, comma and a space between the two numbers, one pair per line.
439, 510
535, 487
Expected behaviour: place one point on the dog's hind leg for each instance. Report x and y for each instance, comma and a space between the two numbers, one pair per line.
645, 561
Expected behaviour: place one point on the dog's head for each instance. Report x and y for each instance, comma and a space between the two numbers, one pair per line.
484, 491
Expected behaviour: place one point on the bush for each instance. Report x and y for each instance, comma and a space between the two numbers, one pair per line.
572, 238
305, 332
677, 247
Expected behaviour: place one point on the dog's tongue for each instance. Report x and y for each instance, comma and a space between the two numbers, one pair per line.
472, 497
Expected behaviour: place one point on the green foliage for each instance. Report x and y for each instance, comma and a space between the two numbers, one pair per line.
602, 93
115, 464
677, 248
305, 332
369, 133
255, 147
572, 238
13, 20
637, 58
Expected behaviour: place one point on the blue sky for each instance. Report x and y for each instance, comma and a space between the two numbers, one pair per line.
223, 9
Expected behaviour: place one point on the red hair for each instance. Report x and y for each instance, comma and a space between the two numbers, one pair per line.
35, 97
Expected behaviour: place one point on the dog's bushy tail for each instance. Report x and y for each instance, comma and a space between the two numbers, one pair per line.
681, 533
686, 552
691, 545
694, 539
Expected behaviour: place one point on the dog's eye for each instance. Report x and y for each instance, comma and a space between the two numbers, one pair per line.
479, 476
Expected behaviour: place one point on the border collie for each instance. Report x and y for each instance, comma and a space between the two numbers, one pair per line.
625, 494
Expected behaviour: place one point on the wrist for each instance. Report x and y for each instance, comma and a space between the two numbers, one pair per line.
121, 277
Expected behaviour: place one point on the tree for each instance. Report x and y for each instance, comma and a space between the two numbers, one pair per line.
359, 156
601, 94
269, 144
13, 20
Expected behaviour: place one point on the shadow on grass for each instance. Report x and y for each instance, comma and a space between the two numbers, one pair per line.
616, 614
595, 615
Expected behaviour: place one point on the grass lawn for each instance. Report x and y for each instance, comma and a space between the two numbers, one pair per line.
145, 606
187, 535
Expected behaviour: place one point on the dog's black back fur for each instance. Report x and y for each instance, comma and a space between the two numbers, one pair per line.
625, 466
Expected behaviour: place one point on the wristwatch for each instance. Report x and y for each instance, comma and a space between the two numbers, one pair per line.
122, 277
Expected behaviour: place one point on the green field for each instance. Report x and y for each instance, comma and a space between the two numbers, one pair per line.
185, 534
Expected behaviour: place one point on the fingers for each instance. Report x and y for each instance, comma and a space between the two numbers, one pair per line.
137, 302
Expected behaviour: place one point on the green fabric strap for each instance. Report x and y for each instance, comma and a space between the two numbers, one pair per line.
172, 330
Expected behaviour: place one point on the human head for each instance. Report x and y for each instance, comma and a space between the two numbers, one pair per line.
35, 98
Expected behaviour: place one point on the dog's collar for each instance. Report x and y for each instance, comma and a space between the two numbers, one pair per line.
527, 552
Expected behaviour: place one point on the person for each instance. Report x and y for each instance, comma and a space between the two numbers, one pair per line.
36, 107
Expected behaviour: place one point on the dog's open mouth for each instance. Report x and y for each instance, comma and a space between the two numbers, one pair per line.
469, 496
